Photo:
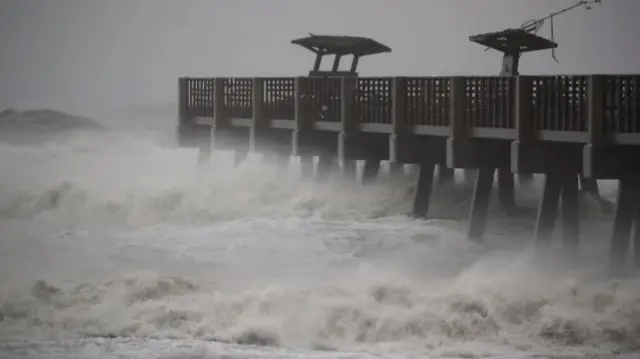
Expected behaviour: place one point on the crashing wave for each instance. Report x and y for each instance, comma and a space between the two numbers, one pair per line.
603, 316
86, 210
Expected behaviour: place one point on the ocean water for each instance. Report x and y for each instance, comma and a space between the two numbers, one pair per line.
115, 245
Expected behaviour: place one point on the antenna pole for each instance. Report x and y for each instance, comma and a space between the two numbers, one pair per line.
535, 25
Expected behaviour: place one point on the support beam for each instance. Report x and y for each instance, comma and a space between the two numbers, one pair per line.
445, 174
396, 170
506, 189
570, 215
636, 234
347, 138
354, 63
306, 167
221, 123
548, 210
480, 205
300, 136
397, 139
525, 131
317, 62
589, 186
470, 176
349, 170
204, 155
423, 190
259, 123
336, 63
325, 166
621, 236
596, 140
370, 171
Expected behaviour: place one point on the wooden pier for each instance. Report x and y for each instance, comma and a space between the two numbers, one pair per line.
564, 127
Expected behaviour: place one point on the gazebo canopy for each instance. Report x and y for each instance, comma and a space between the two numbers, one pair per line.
513, 40
341, 45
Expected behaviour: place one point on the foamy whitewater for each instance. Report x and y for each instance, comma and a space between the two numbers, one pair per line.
114, 245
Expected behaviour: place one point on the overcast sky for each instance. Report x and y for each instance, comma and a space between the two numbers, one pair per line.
110, 53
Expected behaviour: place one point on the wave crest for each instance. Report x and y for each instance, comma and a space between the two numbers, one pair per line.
339, 317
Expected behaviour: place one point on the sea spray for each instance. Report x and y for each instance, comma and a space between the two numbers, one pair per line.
109, 235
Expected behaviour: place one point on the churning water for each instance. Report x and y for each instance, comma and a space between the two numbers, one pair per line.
112, 246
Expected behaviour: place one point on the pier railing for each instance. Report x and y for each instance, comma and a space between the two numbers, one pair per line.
581, 109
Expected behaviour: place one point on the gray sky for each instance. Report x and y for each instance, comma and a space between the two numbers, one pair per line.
108, 53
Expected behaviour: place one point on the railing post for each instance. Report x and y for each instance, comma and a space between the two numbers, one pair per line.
182, 130
398, 119
183, 98
525, 129
219, 108
595, 124
595, 109
457, 123
258, 120
457, 108
302, 140
220, 115
348, 122
347, 141
301, 103
203, 109
301, 115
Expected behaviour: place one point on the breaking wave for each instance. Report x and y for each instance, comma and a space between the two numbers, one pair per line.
367, 309
132, 184
112, 235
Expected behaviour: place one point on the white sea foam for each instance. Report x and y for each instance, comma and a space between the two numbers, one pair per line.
109, 235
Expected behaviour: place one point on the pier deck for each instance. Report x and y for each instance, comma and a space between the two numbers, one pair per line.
559, 126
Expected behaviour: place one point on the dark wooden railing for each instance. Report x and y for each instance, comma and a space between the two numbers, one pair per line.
373, 100
279, 98
621, 104
200, 97
323, 98
490, 102
238, 95
427, 101
558, 105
